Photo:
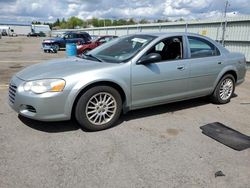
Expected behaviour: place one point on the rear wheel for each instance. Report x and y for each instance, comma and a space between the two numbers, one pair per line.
98, 108
224, 90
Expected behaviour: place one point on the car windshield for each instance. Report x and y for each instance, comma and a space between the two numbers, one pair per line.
93, 37
64, 35
61, 35
121, 49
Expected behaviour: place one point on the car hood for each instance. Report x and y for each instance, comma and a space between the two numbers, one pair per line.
52, 40
61, 68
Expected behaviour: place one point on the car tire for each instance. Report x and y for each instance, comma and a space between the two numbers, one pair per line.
57, 47
224, 90
98, 108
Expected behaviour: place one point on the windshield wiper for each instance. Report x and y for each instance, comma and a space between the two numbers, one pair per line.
93, 57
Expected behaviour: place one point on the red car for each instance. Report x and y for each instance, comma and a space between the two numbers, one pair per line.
84, 48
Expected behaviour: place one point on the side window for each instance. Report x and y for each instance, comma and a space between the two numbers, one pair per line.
108, 39
201, 48
71, 35
159, 46
105, 39
68, 36
102, 40
169, 49
83, 36
75, 35
88, 37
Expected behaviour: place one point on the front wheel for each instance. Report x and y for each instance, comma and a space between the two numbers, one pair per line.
224, 90
98, 108
57, 47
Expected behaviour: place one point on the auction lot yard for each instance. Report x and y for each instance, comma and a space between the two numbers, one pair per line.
154, 147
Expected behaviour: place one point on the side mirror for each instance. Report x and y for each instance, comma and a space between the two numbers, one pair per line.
150, 58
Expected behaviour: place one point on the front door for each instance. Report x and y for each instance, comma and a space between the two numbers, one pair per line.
164, 81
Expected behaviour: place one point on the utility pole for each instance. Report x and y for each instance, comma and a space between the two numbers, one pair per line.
225, 23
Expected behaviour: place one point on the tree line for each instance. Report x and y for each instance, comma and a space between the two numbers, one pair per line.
75, 22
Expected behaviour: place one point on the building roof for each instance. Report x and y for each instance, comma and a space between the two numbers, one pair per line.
14, 23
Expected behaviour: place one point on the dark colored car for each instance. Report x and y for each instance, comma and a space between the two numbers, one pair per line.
4, 32
33, 35
97, 41
68, 37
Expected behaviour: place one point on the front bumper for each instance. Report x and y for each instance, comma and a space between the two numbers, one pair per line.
49, 106
49, 46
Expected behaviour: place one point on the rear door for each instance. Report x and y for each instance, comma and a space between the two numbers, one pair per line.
205, 65
73, 38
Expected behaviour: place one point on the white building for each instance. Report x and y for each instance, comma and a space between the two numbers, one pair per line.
41, 28
17, 28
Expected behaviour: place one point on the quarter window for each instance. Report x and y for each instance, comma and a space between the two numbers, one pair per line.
202, 48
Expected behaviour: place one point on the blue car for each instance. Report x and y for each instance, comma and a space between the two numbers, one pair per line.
68, 37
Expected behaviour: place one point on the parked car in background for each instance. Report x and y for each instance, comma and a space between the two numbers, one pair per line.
33, 34
130, 72
40, 34
4, 32
97, 41
12, 33
68, 37
93, 37
7, 31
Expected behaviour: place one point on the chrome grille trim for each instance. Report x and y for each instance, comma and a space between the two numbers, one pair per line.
12, 93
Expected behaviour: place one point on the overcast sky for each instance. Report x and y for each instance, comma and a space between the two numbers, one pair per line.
49, 10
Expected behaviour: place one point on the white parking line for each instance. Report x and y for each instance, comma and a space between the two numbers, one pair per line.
24, 61
4, 86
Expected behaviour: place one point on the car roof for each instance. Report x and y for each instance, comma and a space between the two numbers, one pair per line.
77, 32
170, 34
165, 34
105, 35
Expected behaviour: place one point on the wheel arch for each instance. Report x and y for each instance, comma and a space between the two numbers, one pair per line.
101, 83
231, 71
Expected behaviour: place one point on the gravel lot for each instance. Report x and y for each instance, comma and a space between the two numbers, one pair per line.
154, 147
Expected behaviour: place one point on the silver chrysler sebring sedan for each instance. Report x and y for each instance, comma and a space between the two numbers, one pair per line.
128, 73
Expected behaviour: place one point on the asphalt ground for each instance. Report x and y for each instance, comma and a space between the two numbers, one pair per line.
155, 147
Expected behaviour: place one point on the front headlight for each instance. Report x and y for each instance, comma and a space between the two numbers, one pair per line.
43, 86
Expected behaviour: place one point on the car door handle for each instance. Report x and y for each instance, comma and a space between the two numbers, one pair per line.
181, 68
219, 63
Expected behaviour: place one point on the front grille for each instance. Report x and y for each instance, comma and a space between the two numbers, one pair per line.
12, 93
